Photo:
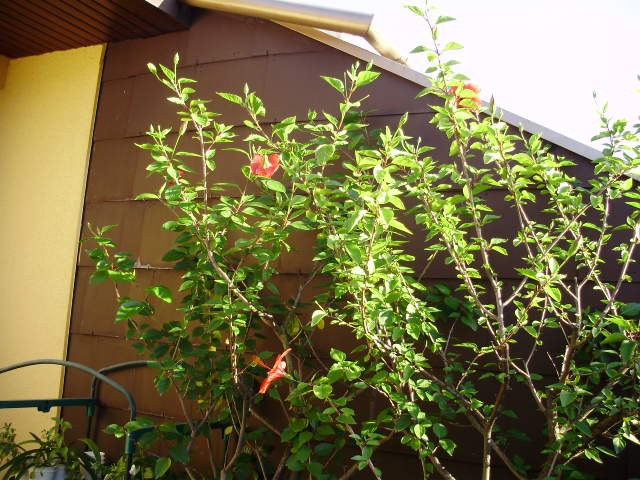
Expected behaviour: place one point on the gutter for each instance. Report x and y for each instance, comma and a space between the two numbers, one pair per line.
338, 20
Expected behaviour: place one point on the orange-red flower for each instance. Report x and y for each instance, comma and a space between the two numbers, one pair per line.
466, 100
265, 165
275, 373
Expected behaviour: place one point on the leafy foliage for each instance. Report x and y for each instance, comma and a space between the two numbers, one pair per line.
49, 449
531, 330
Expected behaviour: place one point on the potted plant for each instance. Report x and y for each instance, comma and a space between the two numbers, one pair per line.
47, 457
8, 446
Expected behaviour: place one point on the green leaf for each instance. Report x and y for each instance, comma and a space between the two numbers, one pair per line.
631, 310
301, 225
324, 153
631, 437
554, 293
273, 185
335, 83
168, 73
619, 444
162, 292
469, 345
173, 255
255, 104
97, 254
583, 427
298, 424
354, 252
323, 449
147, 196
317, 316
98, 277
593, 454
254, 137
120, 276
237, 99
141, 423
626, 350
161, 467
403, 422
417, 10
626, 184
115, 430
447, 445
387, 215
366, 77
444, 19
162, 384
613, 338
338, 355
440, 430
452, 46
354, 219
567, 398
287, 434
322, 391
399, 226
130, 308
315, 469
470, 321
179, 452
527, 272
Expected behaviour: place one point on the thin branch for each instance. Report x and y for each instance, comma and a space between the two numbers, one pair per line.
240, 441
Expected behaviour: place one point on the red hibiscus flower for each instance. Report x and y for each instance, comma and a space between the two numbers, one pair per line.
466, 100
265, 165
275, 373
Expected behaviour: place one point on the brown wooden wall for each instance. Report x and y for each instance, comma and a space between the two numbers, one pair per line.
222, 52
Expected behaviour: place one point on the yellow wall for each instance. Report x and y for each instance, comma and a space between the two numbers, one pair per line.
47, 107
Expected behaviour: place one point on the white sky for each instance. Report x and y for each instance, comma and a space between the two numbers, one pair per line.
540, 59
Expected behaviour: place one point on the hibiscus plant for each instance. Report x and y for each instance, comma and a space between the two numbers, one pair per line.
528, 355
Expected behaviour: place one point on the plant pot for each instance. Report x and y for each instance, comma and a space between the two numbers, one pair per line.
61, 473
46, 473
